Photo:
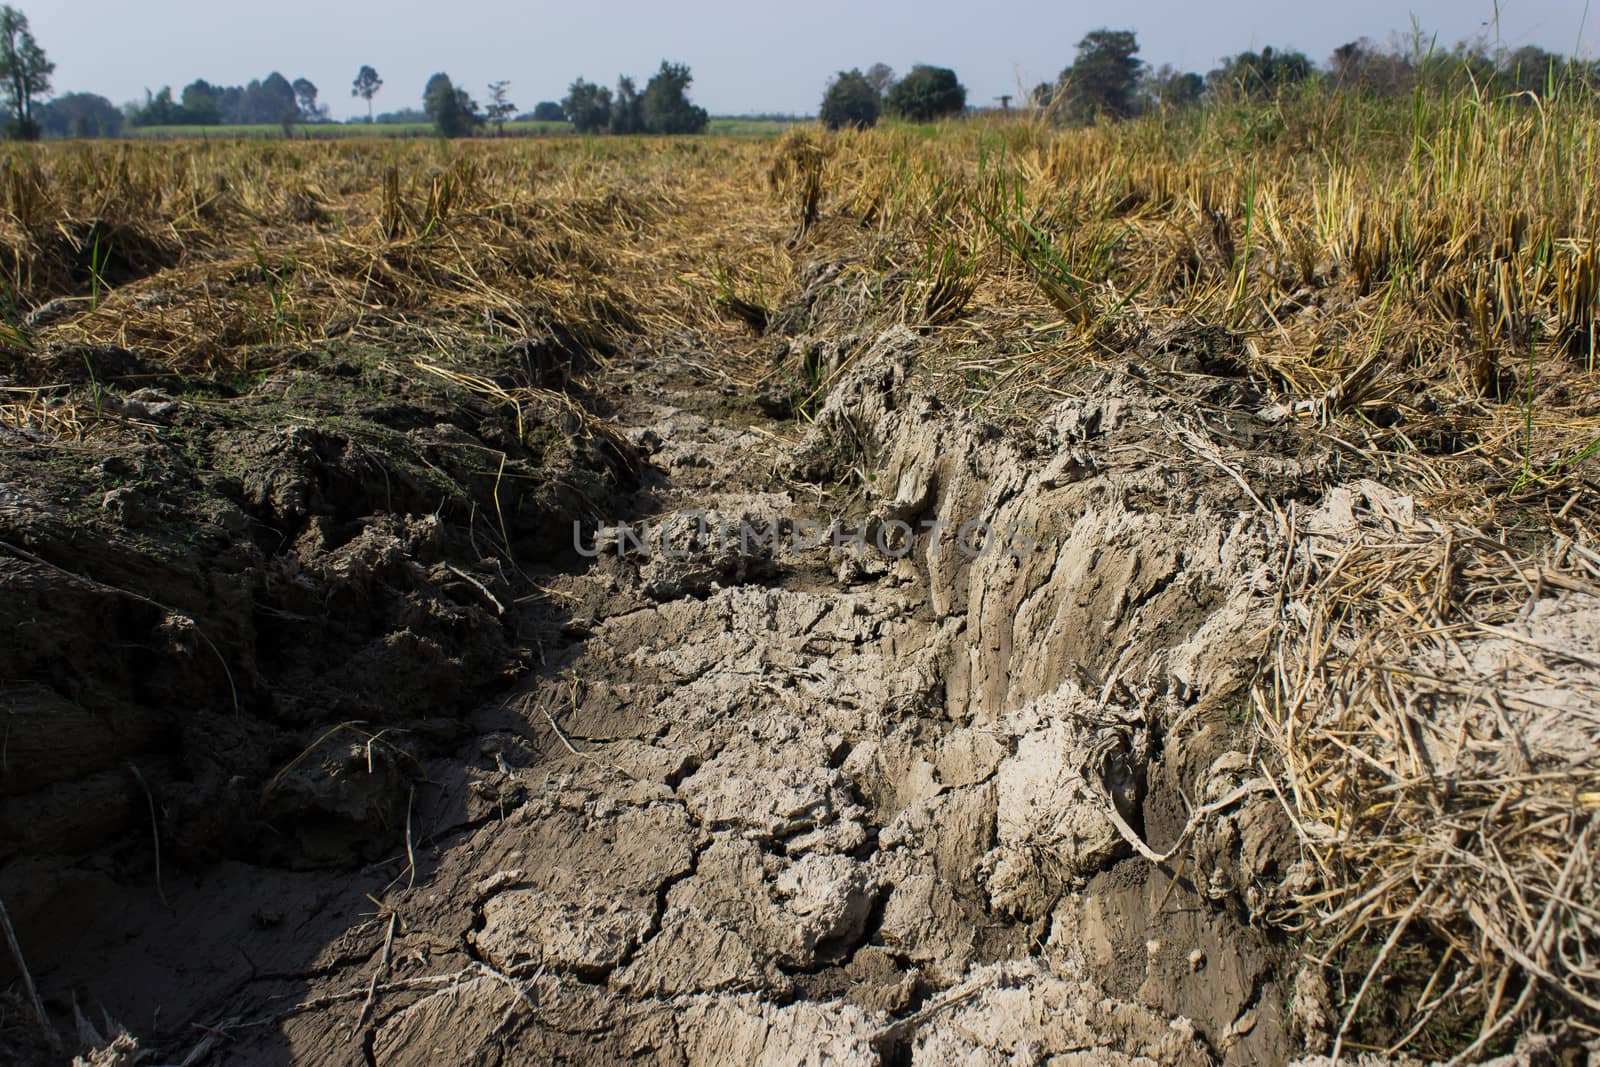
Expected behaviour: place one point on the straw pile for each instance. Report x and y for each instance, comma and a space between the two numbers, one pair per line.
217, 262
1435, 707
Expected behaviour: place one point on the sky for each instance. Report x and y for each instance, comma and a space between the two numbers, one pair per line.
747, 56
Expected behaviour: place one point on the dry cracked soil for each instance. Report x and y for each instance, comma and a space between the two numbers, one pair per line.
773, 797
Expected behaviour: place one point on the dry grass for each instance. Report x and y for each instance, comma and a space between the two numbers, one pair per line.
1438, 759
218, 260
1427, 290
1416, 287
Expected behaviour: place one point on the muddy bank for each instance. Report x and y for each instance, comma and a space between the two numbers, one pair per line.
737, 792
238, 621
973, 801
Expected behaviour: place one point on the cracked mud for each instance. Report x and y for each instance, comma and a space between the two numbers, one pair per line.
773, 807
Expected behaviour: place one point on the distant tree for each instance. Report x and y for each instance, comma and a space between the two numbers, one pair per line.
1354, 66
1104, 78
1349, 58
548, 111
276, 98
927, 93
1170, 90
159, 109
1468, 63
500, 106
1363, 67
366, 86
1584, 73
850, 100
587, 106
406, 116
201, 104
1530, 69
268, 101
1261, 74
230, 102
665, 102
627, 109
79, 115
1042, 95
452, 112
881, 77
24, 72
305, 95
438, 97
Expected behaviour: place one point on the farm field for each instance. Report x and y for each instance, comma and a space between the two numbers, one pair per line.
334, 131
1157, 624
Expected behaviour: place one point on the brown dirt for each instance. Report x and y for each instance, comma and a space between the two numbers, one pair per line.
741, 803
729, 805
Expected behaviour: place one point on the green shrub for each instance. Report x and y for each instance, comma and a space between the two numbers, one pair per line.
927, 93
850, 100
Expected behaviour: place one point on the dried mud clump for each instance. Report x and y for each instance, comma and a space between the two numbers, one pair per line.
257, 611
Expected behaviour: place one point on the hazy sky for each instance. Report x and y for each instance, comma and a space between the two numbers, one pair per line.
746, 55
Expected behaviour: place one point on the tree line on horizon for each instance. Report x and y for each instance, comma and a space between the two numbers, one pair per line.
1108, 80
662, 106
857, 99
1105, 81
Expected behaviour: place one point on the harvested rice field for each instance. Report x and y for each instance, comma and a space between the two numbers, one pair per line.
963, 595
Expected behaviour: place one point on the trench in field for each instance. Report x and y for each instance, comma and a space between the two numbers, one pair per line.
834, 786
